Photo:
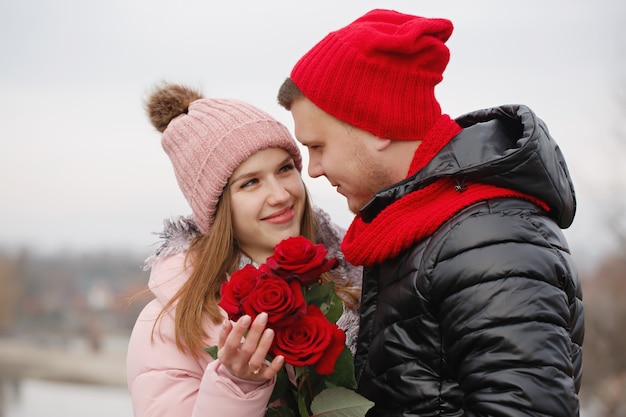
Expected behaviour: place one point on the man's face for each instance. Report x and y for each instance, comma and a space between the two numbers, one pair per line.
345, 155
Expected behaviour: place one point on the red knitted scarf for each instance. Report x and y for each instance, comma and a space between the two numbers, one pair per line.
419, 214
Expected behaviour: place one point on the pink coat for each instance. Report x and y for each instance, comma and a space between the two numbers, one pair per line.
164, 382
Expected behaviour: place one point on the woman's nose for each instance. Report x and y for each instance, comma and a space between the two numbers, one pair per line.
278, 193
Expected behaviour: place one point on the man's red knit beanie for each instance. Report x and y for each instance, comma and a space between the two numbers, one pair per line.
379, 73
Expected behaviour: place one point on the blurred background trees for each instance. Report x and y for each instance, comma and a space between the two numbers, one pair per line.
70, 298
604, 352
604, 357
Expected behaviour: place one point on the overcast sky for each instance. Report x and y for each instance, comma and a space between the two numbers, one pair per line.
82, 169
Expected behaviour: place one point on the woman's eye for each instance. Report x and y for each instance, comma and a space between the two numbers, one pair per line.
287, 167
249, 183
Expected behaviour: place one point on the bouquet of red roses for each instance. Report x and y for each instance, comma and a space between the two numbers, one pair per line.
303, 313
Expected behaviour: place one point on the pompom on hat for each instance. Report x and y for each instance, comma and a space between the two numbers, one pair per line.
206, 139
379, 73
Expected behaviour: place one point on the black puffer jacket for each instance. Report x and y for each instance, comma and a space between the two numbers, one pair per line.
484, 317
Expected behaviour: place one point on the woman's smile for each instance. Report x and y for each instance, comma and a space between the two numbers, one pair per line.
282, 216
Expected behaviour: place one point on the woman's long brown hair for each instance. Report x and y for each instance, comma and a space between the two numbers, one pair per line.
212, 257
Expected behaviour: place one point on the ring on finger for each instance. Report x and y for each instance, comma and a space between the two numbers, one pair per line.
255, 371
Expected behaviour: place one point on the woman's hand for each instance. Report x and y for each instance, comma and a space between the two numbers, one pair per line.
245, 357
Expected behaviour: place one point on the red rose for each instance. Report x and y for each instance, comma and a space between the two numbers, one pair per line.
297, 257
326, 364
312, 340
283, 301
237, 288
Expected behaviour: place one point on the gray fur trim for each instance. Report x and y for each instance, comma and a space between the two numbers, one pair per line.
349, 323
331, 235
177, 234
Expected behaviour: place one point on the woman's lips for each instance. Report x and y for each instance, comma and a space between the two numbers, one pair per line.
282, 216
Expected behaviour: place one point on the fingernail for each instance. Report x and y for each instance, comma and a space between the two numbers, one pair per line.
268, 334
245, 320
262, 318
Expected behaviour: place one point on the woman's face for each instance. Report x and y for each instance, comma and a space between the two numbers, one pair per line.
267, 202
